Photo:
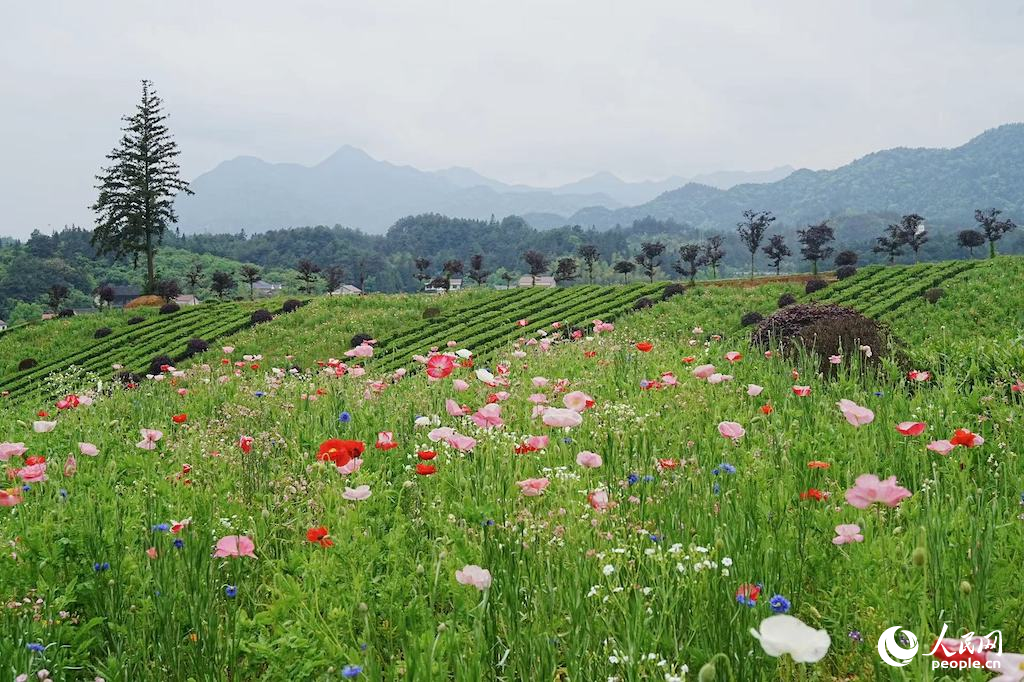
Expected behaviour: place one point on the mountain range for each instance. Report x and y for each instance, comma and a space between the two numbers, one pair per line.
353, 189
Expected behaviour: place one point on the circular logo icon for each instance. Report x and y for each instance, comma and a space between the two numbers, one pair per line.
892, 652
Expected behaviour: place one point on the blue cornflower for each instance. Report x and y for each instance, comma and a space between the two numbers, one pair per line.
644, 383
715, 471
489, 522
161, 528
230, 591
25, 488
567, 439
716, 488
648, 478
351, 671
362, 647
179, 543
63, 494
779, 604
344, 417
856, 636
727, 468
35, 646
879, 394
633, 478
105, 566
655, 538
259, 394
744, 600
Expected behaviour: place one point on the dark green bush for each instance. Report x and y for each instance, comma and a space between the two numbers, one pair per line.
750, 318
934, 294
260, 316
291, 305
786, 299
672, 290
168, 308
27, 363
101, 332
196, 346
642, 304
358, 340
846, 258
844, 337
814, 285
136, 320
157, 364
66, 312
845, 271
431, 312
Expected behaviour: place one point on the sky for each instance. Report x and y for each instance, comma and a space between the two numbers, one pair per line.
534, 91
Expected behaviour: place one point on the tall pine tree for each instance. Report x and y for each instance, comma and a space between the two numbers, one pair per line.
136, 202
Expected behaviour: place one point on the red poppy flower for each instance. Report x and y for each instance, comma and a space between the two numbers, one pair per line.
467, 363
813, 494
492, 398
42, 413
816, 464
254, 366
767, 408
439, 366
425, 469
644, 346
68, 402
689, 359
319, 536
426, 455
179, 418
589, 353
245, 443
225, 361
525, 448
667, 463
802, 391
965, 438
341, 452
748, 592
34, 459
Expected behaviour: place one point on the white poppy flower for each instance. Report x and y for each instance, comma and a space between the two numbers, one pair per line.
788, 635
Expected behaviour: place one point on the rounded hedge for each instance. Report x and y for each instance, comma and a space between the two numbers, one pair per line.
814, 285
67, 312
196, 346
101, 332
786, 299
168, 308
156, 364
27, 363
643, 304
753, 317
934, 294
431, 312
136, 320
358, 340
672, 290
845, 271
291, 305
260, 316
846, 258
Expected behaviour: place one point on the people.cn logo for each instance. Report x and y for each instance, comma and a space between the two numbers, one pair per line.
893, 652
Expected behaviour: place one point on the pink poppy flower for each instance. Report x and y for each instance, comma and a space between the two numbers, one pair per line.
441, 433
151, 553
703, 371
43, 426
488, 416
835, 359
589, 460
474, 576
88, 449
10, 498
854, 413
363, 350
943, 447
356, 494
8, 450
33, 473
385, 441
532, 487
539, 382
70, 466
440, 366
351, 466
149, 439
734, 356
538, 398
847, 533
578, 401
868, 489
561, 418
754, 389
718, 378
598, 499
235, 545
461, 442
911, 428
600, 327
460, 385
454, 409
228, 350
669, 379
731, 430
802, 391
536, 442
916, 375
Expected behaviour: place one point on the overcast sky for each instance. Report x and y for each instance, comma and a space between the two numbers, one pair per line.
534, 91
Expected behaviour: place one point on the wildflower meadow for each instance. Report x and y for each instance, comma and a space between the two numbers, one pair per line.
532, 485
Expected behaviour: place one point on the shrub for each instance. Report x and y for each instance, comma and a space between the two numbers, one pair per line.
66, 312
845, 271
844, 336
786, 299
128, 378
934, 294
196, 346
101, 332
291, 305
27, 363
431, 312
784, 324
136, 320
643, 304
750, 318
168, 308
814, 285
159, 361
260, 316
358, 340
672, 290
846, 258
